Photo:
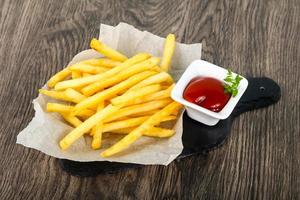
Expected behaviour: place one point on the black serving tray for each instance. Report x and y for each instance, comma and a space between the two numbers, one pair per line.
197, 138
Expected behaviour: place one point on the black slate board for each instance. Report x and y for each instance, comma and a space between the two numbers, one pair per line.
197, 138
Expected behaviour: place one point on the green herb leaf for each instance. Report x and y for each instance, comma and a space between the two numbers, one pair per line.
232, 83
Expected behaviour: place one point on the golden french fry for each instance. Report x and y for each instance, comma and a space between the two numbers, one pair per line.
107, 51
169, 48
61, 108
71, 119
111, 92
84, 74
81, 67
132, 122
154, 96
103, 62
152, 132
87, 125
144, 127
76, 74
97, 135
139, 93
108, 74
74, 95
54, 94
155, 79
59, 76
124, 74
140, 108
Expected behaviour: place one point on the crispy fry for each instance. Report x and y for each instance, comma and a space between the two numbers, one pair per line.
139, 93
108, 74
155, 79
76, 74
168, 52
86, 126
61, 108
59, 76
111, 92
86, 74
74, 95
97, 135
152, 132
71, 119
97, 130
154, 96
140, 108
54, 94
107, 51
103, 62
124, 74
132, 122
137, 133
81, 67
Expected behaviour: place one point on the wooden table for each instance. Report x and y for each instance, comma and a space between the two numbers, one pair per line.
260, 160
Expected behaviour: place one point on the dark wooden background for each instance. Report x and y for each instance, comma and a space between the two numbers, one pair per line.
261, 159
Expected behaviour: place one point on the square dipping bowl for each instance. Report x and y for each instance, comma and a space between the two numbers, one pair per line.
200, 68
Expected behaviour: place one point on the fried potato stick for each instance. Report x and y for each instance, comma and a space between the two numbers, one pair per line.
81, 67
54, 94
74, 95
140, 108
110, 73
97, 130
152, 132
169, 48
138, 132
71, 119
61, 108
111, 92
59, 76
124, 74
139, 93
87, 125
102, 62
76, 74
155, 79
107, 51
133, 122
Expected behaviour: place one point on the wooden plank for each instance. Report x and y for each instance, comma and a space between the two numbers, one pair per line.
261, 158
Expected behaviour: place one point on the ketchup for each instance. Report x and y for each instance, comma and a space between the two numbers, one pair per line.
206, 92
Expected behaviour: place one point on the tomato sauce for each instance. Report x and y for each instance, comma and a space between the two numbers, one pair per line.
206, 92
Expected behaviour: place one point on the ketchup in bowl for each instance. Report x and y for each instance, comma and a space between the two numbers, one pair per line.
207, 92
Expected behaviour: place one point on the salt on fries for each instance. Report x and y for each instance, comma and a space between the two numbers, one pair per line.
115, 95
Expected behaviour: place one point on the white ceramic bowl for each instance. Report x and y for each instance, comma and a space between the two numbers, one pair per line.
198, 113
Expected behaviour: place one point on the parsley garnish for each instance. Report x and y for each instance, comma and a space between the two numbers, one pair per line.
232, 83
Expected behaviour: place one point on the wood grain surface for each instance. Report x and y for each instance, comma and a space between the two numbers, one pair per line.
260, 160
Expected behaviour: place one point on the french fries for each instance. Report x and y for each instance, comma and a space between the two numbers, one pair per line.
102, 62
138, 132
59, 76
168, 52
158, 78
87, 80
107, 51
152, 132
111, 92
86, 68
115, 94
123, 75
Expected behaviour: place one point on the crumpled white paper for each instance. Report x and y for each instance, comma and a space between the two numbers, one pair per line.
46, 129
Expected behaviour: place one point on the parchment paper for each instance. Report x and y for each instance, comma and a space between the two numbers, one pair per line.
46, 129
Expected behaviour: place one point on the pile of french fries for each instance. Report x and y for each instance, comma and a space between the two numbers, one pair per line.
115, 94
